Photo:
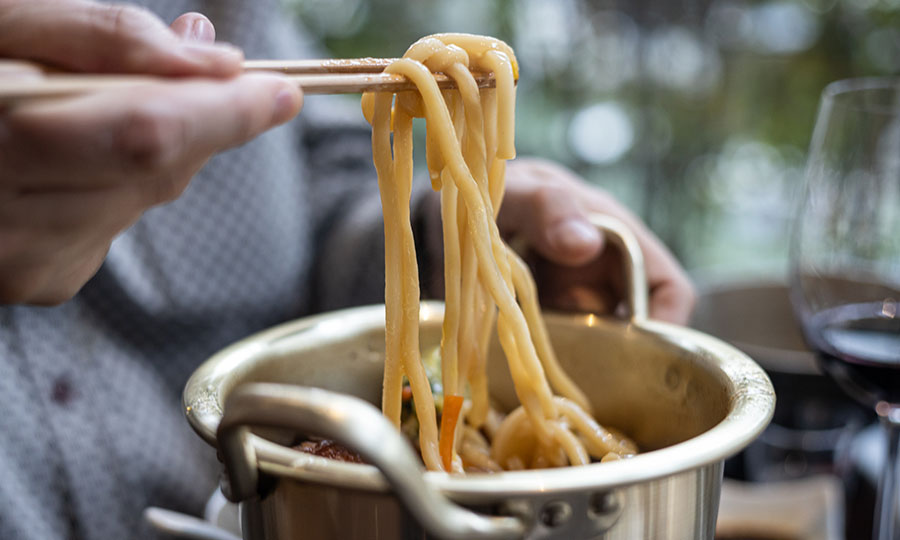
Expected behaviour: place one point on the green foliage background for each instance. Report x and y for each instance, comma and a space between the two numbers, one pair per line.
712, 166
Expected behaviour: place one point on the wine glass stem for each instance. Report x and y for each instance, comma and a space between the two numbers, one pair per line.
886, 510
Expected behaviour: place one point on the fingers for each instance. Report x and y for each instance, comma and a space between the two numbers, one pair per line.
673, 301
102, 140
577, 289
548, 205
558, 227
672, 295
194, 27
541, 208
82, 35
76, 172
671, 292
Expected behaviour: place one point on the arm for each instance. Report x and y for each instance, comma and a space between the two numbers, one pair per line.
76, 172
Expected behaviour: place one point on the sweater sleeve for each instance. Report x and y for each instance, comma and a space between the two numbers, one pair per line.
348, 266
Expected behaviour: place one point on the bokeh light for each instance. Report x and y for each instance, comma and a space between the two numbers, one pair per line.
601, 133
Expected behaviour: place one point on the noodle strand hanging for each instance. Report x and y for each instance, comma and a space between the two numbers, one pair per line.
470, 135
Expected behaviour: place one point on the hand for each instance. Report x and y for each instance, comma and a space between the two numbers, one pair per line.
547, 205
76, 172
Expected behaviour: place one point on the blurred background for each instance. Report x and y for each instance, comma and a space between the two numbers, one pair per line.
697, 114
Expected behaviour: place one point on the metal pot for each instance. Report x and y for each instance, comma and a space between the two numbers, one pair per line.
689, 400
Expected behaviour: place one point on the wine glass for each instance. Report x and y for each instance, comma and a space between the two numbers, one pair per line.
845, 258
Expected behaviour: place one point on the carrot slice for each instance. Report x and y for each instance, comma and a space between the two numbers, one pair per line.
449, 419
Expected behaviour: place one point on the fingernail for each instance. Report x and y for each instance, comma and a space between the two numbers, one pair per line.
287, 103
202, 30
572, 235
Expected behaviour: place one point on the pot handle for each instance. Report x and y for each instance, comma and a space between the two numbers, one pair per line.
360, 427
633, 258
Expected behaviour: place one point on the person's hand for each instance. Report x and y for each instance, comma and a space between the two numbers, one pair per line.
547, 205
76, 172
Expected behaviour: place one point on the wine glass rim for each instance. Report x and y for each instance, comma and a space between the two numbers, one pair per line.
835, 90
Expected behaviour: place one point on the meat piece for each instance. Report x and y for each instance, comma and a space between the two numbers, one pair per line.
329, 449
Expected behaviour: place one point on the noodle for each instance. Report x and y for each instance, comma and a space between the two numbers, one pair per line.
470, 135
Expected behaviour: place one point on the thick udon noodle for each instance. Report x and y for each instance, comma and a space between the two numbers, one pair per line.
470, 135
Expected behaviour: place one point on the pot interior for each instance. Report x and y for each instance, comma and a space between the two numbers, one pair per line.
657, 387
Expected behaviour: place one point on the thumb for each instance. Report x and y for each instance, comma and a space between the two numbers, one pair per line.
83, 35
550, 219
572, 241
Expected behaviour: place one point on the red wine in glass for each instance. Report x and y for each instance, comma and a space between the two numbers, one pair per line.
859, 346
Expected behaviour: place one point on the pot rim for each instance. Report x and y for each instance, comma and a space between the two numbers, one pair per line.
750, 408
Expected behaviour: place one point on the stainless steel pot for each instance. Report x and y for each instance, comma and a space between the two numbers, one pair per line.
688, 399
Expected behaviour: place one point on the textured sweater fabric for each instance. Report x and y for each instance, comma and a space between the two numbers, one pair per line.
91, 429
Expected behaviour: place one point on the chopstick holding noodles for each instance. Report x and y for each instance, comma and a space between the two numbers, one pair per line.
328, 76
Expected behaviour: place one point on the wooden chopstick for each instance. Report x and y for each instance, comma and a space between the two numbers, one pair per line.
355, 83
332, 76
328, 65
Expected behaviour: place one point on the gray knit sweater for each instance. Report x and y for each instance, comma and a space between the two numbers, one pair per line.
91, 430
